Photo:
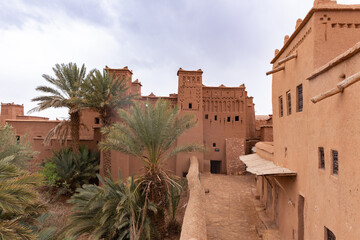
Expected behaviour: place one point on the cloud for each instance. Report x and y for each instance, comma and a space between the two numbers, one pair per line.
231, 41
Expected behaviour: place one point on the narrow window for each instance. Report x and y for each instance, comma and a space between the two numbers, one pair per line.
97, 120
214, 144
18, 138
299, 90
329, 235
190, 105
321, 158
281, 106
335, 161
228, 119
215, 117
236, 118
206, 116
288, 96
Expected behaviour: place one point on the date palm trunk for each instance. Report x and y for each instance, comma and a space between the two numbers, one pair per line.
75, 130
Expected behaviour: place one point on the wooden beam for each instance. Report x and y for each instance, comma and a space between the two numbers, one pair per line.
287, 58
339, 88
349, 81
276, 70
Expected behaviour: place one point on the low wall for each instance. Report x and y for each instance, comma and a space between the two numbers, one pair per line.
194, 224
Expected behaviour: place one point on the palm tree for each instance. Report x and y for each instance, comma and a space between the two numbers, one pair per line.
105, 93
64, 92
149, 133
115, 210
18, 201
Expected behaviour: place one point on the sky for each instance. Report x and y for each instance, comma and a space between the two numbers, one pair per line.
232, 41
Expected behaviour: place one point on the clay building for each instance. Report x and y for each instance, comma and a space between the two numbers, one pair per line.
263, 128
225, 124
308, 178
35, 129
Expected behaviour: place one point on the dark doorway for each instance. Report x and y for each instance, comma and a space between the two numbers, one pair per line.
301, 203
215, 166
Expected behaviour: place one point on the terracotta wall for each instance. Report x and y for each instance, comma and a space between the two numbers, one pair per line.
298, 135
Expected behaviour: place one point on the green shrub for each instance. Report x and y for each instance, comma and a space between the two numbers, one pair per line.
70, 170
49, 172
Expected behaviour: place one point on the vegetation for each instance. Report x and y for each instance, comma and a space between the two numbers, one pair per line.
149, 134
105, 93
117, 210
11, 146
64, 92
71, 170
19, 205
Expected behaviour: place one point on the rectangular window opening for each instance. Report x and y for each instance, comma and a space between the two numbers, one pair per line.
228, 119
18, 138
321, 158
299, 90
281, 106
236, 118
214, 144
97, 120
335, 162
215, 117
190, 105
206, 116
288, 96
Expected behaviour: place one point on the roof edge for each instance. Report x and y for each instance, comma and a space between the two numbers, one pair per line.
337, 7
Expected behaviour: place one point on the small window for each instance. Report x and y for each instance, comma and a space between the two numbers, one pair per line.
236, 118
215, 117
228, 119
217, 150
288, 96
335, 162
97, 120
281, 109
190, 105
214, 144
299, 90
18, 138
206, 116
321, 158
329, 235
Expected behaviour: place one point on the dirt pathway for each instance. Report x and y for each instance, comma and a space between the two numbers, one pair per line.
230, 210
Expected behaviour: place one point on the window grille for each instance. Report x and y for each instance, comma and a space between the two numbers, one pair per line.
289, 102
321, 158
335, 159
281, 106
300, 98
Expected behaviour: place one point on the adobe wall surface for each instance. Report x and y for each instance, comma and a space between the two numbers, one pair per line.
234, 148
333, 123
194, 223
298, 135
266, 134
